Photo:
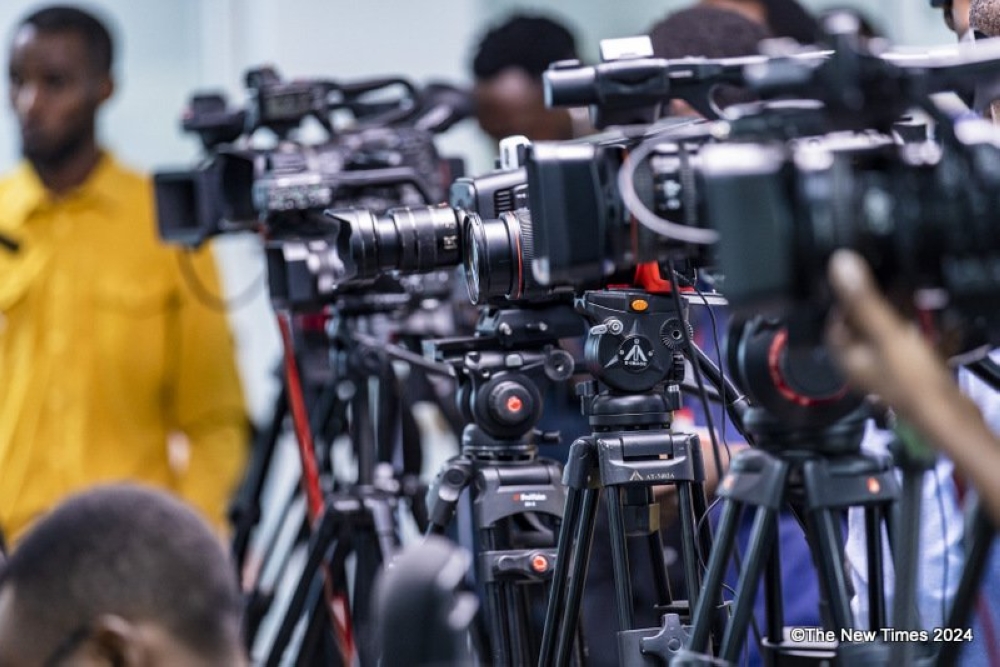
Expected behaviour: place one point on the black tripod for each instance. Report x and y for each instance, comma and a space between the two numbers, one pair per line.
807, 433
517, 498
358, 518
634, 349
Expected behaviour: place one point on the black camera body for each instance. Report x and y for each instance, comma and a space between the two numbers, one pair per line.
380, 162
375, 167
585, 234
922, 214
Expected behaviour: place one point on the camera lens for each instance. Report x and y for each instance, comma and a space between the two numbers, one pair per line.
410, 240
498, 256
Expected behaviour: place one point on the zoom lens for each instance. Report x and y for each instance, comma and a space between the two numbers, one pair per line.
409, 240
498, 256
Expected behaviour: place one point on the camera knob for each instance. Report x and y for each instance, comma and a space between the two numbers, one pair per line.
511, 403
672, 333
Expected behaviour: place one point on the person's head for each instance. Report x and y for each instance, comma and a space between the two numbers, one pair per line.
783, 18
956, 16
119, 575
59, 74
508, 66
709, 32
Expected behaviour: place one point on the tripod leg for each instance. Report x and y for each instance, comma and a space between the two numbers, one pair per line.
983, 534
384, 525
705, 610
583, 539
661, 582
775, 605
244, 514
318, 646
830, 563
619, 559
319, 544
575, 536
876, 567
689, 549
560, 575
762, 538
500, 638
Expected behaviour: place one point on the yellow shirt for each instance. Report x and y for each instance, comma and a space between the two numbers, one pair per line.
105, 351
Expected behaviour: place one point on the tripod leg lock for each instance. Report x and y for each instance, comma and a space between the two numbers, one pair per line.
653, 647
520, 565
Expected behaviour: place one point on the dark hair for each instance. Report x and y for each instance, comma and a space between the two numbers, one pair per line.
787, 18
709, 32
529, 43
130, 551
704, 31
95, 34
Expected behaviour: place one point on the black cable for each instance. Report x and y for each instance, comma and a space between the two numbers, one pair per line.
704, 566
215, 301
697, 376
737, 556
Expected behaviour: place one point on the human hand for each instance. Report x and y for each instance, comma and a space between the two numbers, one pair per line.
878, 350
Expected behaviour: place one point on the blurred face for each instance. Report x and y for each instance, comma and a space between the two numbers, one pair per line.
957, 16
514, 103
55, 91
108, 640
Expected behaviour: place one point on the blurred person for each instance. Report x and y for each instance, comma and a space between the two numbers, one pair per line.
956, 16
119, 575
709, 32
508, 66
783, 18
942, 535
884, 354
112, 368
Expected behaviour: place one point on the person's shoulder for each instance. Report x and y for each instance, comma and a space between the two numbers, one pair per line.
15, 179
20, 193
125, 176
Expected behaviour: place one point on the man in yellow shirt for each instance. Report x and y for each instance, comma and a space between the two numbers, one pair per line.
110, 366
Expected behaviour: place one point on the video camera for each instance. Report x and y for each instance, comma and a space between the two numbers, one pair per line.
921, 211
385, 158
777, 185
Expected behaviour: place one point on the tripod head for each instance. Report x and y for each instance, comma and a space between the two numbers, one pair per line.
800, 399
634, 350
503, 369
636, 339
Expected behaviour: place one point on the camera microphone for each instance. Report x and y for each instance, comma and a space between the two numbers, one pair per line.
442, 106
